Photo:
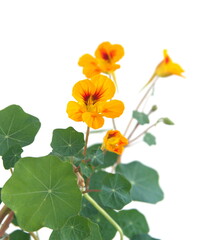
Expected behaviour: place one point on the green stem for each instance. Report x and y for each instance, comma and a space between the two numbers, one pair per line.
86, 140
33, 235
105, 214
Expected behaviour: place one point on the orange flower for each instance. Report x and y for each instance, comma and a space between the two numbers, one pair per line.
106, 56
166, 68
114, 141
92, 101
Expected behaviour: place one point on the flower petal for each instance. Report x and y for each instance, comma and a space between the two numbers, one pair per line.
75, 111
93, 120
82, 90
111, 109
90, 65
104, 87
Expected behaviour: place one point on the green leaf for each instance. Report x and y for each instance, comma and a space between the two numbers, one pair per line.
141, 117
42, 192
96, 156
109, 157
144, 180
16, 127
149, 139
115, 191
67, 142
143, 237
19, 235
12, 156
132, 223
166, 121
107, 230
0, 195
86, 169
77, 228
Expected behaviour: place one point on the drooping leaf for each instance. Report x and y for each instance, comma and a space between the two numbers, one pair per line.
67, 142
144, 180
12, 156
141, 117
132, 222
42, 192
109, 157
19, 235
16, 128
166, 121
143, 237
149, 139
77, 228
115, 191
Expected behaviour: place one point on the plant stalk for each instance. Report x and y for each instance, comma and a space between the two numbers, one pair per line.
86, 140
105, 214
4, 211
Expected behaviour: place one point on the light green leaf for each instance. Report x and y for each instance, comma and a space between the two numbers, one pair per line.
132, 223
77, 228
19, 235
42, 192
67, 142
16, 127
115, 191
12, 156
144, 180
141, 117
166, 121
143, 237
149, 139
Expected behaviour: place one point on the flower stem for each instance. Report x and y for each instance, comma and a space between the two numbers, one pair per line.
141, 101
141, 134
105, 214
4, 211
86, 140
6, 224
33, 235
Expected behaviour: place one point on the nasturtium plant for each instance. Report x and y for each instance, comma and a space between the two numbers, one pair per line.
82, 190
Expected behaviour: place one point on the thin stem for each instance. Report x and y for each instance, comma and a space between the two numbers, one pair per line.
33, 235
6, 224
112, 76
86, 140
141, 134
105, 214
4, 211
114, 124
114, 79
131, 134
141, 101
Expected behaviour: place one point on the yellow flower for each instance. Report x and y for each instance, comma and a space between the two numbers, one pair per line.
93, 101
106, 56
166, 68
114, 141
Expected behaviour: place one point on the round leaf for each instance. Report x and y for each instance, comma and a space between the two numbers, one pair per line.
42, 192
16, 127
12, 156
115, 191
132, 222
149, 139
144, 180
67, 142
141, 117
143, 237
77, 228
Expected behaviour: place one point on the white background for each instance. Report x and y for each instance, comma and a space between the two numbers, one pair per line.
40, 44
